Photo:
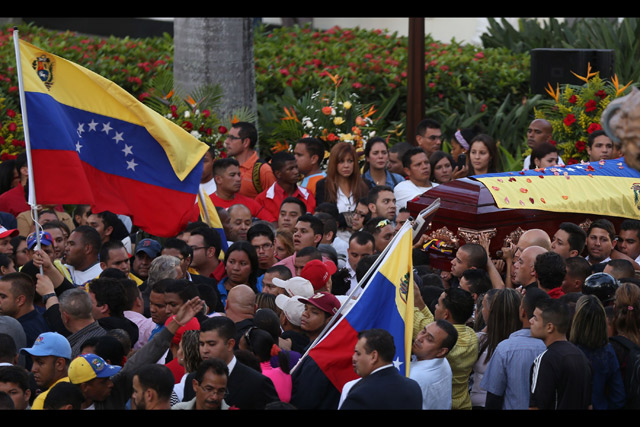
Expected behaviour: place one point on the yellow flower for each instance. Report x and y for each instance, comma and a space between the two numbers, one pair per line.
346, 137
347, 105
338, 121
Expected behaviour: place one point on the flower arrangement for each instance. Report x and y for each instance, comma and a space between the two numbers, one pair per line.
11, 142
195, 112
575, 113
332, 115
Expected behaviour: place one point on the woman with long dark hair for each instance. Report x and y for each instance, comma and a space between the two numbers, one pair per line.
501, 310
376, 155
589, 333
343, 185
263, 346
241, 265
483, 155
441, 167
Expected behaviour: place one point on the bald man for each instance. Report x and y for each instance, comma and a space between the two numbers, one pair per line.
538, 132
525, 273
241, 307
533, 237
240, 221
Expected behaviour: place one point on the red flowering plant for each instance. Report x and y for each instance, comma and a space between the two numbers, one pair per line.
11, 135
332, 114
195, 112
574, 112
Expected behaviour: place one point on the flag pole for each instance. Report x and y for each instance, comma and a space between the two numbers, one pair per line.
365, 278
27, 140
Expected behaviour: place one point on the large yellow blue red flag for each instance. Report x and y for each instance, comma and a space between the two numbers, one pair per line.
605, 187
94, 143
386, 303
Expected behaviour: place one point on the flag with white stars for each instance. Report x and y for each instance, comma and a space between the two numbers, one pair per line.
385, 303
94, 143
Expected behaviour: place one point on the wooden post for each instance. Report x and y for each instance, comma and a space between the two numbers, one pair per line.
415, 78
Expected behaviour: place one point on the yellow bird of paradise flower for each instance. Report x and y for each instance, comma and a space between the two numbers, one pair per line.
555, 94
589, 74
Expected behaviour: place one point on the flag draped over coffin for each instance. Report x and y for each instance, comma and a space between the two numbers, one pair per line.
606, 187
385, 303
94, 143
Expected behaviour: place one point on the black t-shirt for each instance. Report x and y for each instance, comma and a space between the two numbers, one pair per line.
561, 378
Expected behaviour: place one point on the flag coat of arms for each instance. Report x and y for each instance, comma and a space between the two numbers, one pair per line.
386, 303
93, 143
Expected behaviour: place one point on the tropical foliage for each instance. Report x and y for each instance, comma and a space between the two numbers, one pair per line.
574, 112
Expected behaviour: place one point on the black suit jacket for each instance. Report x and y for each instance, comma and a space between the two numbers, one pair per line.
384, 389
247, 388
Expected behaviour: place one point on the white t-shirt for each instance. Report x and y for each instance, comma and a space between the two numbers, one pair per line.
406, 191
209, 187
82, 277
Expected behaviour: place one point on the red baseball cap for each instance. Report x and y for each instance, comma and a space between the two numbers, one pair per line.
325, 301
318, 272
8, 233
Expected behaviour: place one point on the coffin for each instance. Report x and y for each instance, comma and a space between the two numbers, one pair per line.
468, 210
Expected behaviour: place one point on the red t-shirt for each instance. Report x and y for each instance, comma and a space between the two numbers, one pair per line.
273, 196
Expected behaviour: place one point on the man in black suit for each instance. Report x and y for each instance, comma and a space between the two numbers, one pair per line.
381, 385
247, 388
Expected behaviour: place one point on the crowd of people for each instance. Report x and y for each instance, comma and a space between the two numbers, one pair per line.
95, 314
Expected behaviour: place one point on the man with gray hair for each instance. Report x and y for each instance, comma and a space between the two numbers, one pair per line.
164, 267
76, 312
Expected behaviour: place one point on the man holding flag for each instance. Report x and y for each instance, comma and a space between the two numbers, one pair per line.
381, 385
385, 303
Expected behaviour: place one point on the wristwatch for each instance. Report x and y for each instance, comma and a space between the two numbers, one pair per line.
47, 296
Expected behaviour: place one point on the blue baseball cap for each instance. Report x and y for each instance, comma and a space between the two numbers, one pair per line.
50, 344
149, 247
45, 239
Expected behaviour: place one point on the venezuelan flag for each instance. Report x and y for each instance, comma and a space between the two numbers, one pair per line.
209, 216
94, 143
385, 303
607, 187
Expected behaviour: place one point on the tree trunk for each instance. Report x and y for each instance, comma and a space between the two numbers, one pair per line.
216, 51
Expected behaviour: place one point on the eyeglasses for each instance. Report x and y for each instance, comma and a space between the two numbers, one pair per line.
233, 137
215, 391
195, 248
434, 137
356, 213
264, 247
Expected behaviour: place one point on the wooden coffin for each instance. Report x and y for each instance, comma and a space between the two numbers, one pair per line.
467, 210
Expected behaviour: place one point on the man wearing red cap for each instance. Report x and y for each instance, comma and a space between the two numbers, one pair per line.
5, 240
318, 311
319, 274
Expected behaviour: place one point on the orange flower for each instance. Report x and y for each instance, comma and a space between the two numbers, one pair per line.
290, 115
280, 146
327, 110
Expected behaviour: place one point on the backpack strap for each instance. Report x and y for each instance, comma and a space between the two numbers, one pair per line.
255, 175
625, 342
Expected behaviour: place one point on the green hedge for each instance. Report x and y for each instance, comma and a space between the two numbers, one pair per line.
465, 84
